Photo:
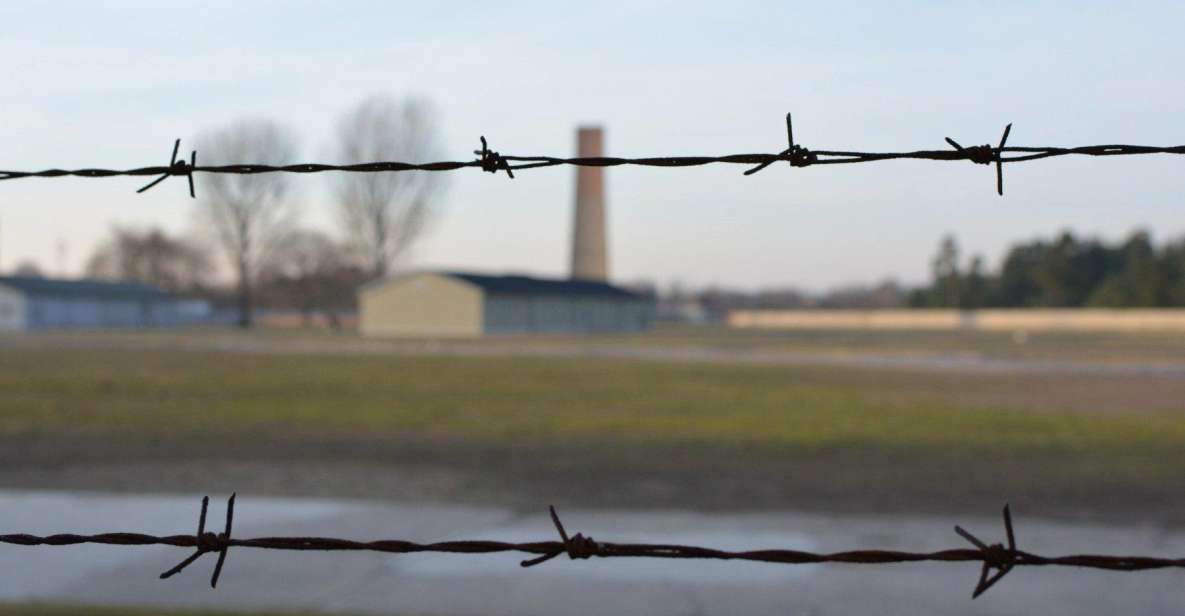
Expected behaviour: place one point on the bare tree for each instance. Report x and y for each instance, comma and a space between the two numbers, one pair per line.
383, 213
150, 256
247, 214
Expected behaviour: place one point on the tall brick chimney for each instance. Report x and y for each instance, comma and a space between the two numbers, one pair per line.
590, 258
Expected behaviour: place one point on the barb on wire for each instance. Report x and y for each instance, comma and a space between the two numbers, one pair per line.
491, 161
176, 167
995, 556
797, 156
996, 560
578, 546
208, 542
986, 155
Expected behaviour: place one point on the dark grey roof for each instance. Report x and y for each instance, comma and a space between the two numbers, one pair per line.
83, 289
526, 285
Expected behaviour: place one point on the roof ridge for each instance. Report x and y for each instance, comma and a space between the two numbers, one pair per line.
522, 284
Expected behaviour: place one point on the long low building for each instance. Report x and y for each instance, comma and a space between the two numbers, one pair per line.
460, 304
28, 302
1002, 319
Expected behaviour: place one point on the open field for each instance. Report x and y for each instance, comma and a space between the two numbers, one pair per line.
1079, 348
492, 400
1073, 346
274, 415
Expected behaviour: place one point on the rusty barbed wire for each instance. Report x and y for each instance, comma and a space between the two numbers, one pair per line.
997, 559
492, 161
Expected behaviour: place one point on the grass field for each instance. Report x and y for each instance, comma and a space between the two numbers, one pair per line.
156, 392
715, 434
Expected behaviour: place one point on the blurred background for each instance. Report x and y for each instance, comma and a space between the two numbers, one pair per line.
837, 357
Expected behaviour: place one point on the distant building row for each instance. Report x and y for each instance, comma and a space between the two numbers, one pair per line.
28, 303
424, 304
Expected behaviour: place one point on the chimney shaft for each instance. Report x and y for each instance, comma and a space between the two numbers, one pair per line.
589, 252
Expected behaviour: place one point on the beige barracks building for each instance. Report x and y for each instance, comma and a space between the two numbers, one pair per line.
456, 304
459, 304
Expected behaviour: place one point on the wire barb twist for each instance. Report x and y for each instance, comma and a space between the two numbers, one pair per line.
176, 167
986, 155
208, 542
492, 161
578, 547
995, 556
796, 155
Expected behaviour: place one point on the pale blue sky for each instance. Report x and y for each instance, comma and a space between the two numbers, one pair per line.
113, 85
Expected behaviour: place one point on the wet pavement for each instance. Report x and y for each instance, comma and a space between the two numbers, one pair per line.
496, 585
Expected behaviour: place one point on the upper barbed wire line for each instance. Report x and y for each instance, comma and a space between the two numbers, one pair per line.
531, 162
492, 161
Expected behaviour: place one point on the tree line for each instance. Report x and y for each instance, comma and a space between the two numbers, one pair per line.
1067, 271
308, 272
1064, 272
251, 221
380, 214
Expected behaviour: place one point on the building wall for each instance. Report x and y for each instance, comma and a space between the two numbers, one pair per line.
846, 319
420, 305
560, 314
12, 309
1019, 319
83, 313
1090, 319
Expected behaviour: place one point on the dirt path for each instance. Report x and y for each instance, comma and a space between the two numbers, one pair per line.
526, 477
712, 350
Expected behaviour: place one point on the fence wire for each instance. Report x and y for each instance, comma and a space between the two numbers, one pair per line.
492, 161
996, 559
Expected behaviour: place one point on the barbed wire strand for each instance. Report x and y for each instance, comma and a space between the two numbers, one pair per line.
491, 161
997, 559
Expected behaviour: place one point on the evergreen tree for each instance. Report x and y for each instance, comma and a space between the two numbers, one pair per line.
1064, 273
947, 289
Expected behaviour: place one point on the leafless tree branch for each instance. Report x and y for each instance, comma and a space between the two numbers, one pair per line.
247, 214
383, 213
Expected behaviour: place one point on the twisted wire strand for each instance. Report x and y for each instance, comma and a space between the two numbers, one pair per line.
826, 157
491, 161
996, 559
604, 550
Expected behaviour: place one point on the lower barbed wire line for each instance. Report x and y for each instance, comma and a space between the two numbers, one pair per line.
996, 560
603, 550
